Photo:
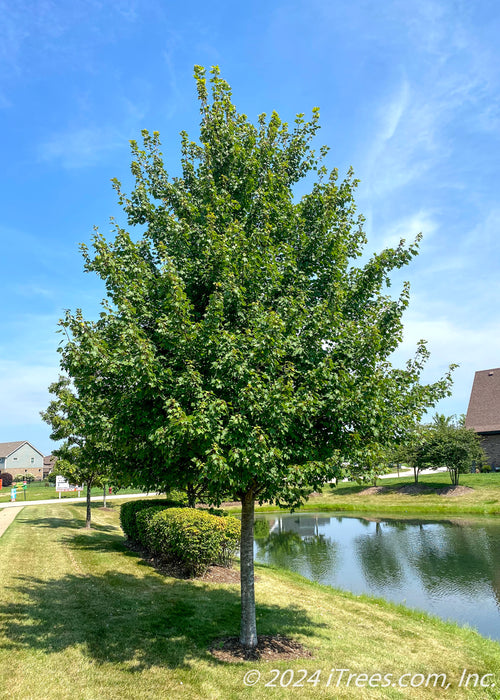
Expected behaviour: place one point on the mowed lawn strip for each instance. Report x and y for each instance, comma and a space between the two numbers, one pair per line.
84, 617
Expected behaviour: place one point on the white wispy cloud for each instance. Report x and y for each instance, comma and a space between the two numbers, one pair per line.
81, 147
404, 144
24, 392
408, 227
471, 346
449, 78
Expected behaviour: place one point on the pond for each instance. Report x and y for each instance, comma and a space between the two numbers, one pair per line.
450, 568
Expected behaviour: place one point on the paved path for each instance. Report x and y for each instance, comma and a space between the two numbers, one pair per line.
405, 472
55, 501
6, 517
409, 472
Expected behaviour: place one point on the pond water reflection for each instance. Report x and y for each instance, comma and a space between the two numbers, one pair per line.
449, 568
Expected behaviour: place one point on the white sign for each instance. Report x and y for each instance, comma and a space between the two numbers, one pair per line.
62, 484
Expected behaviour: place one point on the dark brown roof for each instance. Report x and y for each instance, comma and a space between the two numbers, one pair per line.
483, 414
49, 461
7, 448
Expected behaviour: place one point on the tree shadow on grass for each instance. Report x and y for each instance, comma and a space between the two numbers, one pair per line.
343, 490
69, 523
104, 542
141, 621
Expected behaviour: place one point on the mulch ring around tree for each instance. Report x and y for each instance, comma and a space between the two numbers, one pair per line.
374, 491
455, 491
417, 490
269, 648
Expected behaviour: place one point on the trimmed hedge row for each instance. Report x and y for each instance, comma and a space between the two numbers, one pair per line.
194, 538
129, 510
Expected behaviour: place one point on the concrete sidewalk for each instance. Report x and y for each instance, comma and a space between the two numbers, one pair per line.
6, 517
82, 499
409, 472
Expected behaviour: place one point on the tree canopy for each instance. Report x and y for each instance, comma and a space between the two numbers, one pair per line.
448, 443
240, 350
84, 456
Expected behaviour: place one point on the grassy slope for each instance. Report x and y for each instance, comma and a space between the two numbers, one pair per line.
483, 500
83, 617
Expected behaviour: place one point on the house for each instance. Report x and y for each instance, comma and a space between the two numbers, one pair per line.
48, 465
483, 414
20, 458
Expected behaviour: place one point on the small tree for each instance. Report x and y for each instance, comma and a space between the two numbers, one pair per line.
373, 461
84, 456
240, 348
405, 451
448, 444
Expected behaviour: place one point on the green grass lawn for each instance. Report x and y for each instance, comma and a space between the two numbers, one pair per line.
484, 499
38, 491
82, 617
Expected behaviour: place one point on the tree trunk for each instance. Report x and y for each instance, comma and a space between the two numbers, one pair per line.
415, 471
248, 634
89, 512
191, 496
104, 497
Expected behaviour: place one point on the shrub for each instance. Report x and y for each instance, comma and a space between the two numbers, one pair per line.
231, 535
6, 479
143, 520
129, 510
193, 537
24, 477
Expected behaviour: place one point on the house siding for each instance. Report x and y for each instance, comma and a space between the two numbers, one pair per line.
19, 462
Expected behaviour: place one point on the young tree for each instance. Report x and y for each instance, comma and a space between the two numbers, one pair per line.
373, 461
448, 444
84, 456
405, 451
240, 348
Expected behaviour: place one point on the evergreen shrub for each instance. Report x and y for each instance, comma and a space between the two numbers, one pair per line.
193, 537
129, 510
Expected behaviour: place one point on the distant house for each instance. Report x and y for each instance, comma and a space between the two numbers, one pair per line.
20, 458
483, 414
48, 465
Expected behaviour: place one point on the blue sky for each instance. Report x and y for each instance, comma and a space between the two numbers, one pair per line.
409, 92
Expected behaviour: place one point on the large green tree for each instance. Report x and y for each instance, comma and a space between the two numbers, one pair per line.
240, 349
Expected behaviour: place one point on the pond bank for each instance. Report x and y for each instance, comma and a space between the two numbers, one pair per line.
478, 494
449, 567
